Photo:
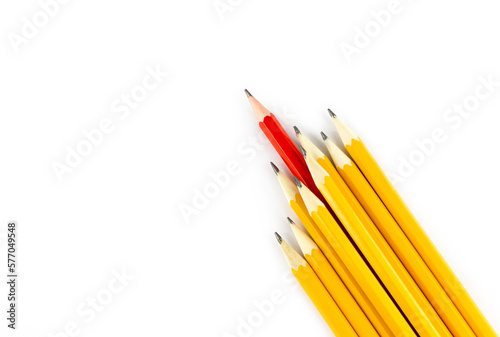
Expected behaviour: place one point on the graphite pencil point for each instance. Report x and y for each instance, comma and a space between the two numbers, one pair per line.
248, 93
297, 181
278, 237
275, 168
290, 221
332, 114
325, 137
303, 151
297, 131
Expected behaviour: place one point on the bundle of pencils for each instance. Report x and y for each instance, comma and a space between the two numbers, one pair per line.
366, 263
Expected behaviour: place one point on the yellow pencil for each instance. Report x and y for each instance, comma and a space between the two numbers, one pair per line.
398, 241
333, 284
413, 230
351, 258
317, 292
297, 204
377, 251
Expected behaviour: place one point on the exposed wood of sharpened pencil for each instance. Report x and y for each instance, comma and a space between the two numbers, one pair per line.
314, 152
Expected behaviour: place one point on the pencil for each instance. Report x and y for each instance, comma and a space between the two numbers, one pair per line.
346, 251
282, 143
333, 283
316, 291
297, 204
398, 241
415, 233
375, 248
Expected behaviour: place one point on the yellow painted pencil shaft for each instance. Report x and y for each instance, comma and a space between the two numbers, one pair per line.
379, 254
417, 236
356, 265
399, 243
348, 279
415, 233
317, 292
364, 276
298, 206
334, 284
323, 302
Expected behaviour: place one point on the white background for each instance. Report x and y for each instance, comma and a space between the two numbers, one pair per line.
120, 207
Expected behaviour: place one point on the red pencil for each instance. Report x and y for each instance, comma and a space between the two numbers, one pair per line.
282, 143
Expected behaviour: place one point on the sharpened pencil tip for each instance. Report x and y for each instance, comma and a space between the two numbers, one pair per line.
275, 168
332, 114
303, 151
278, 237
297, 131
297, 182
325, 137
248, 93
290, 221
